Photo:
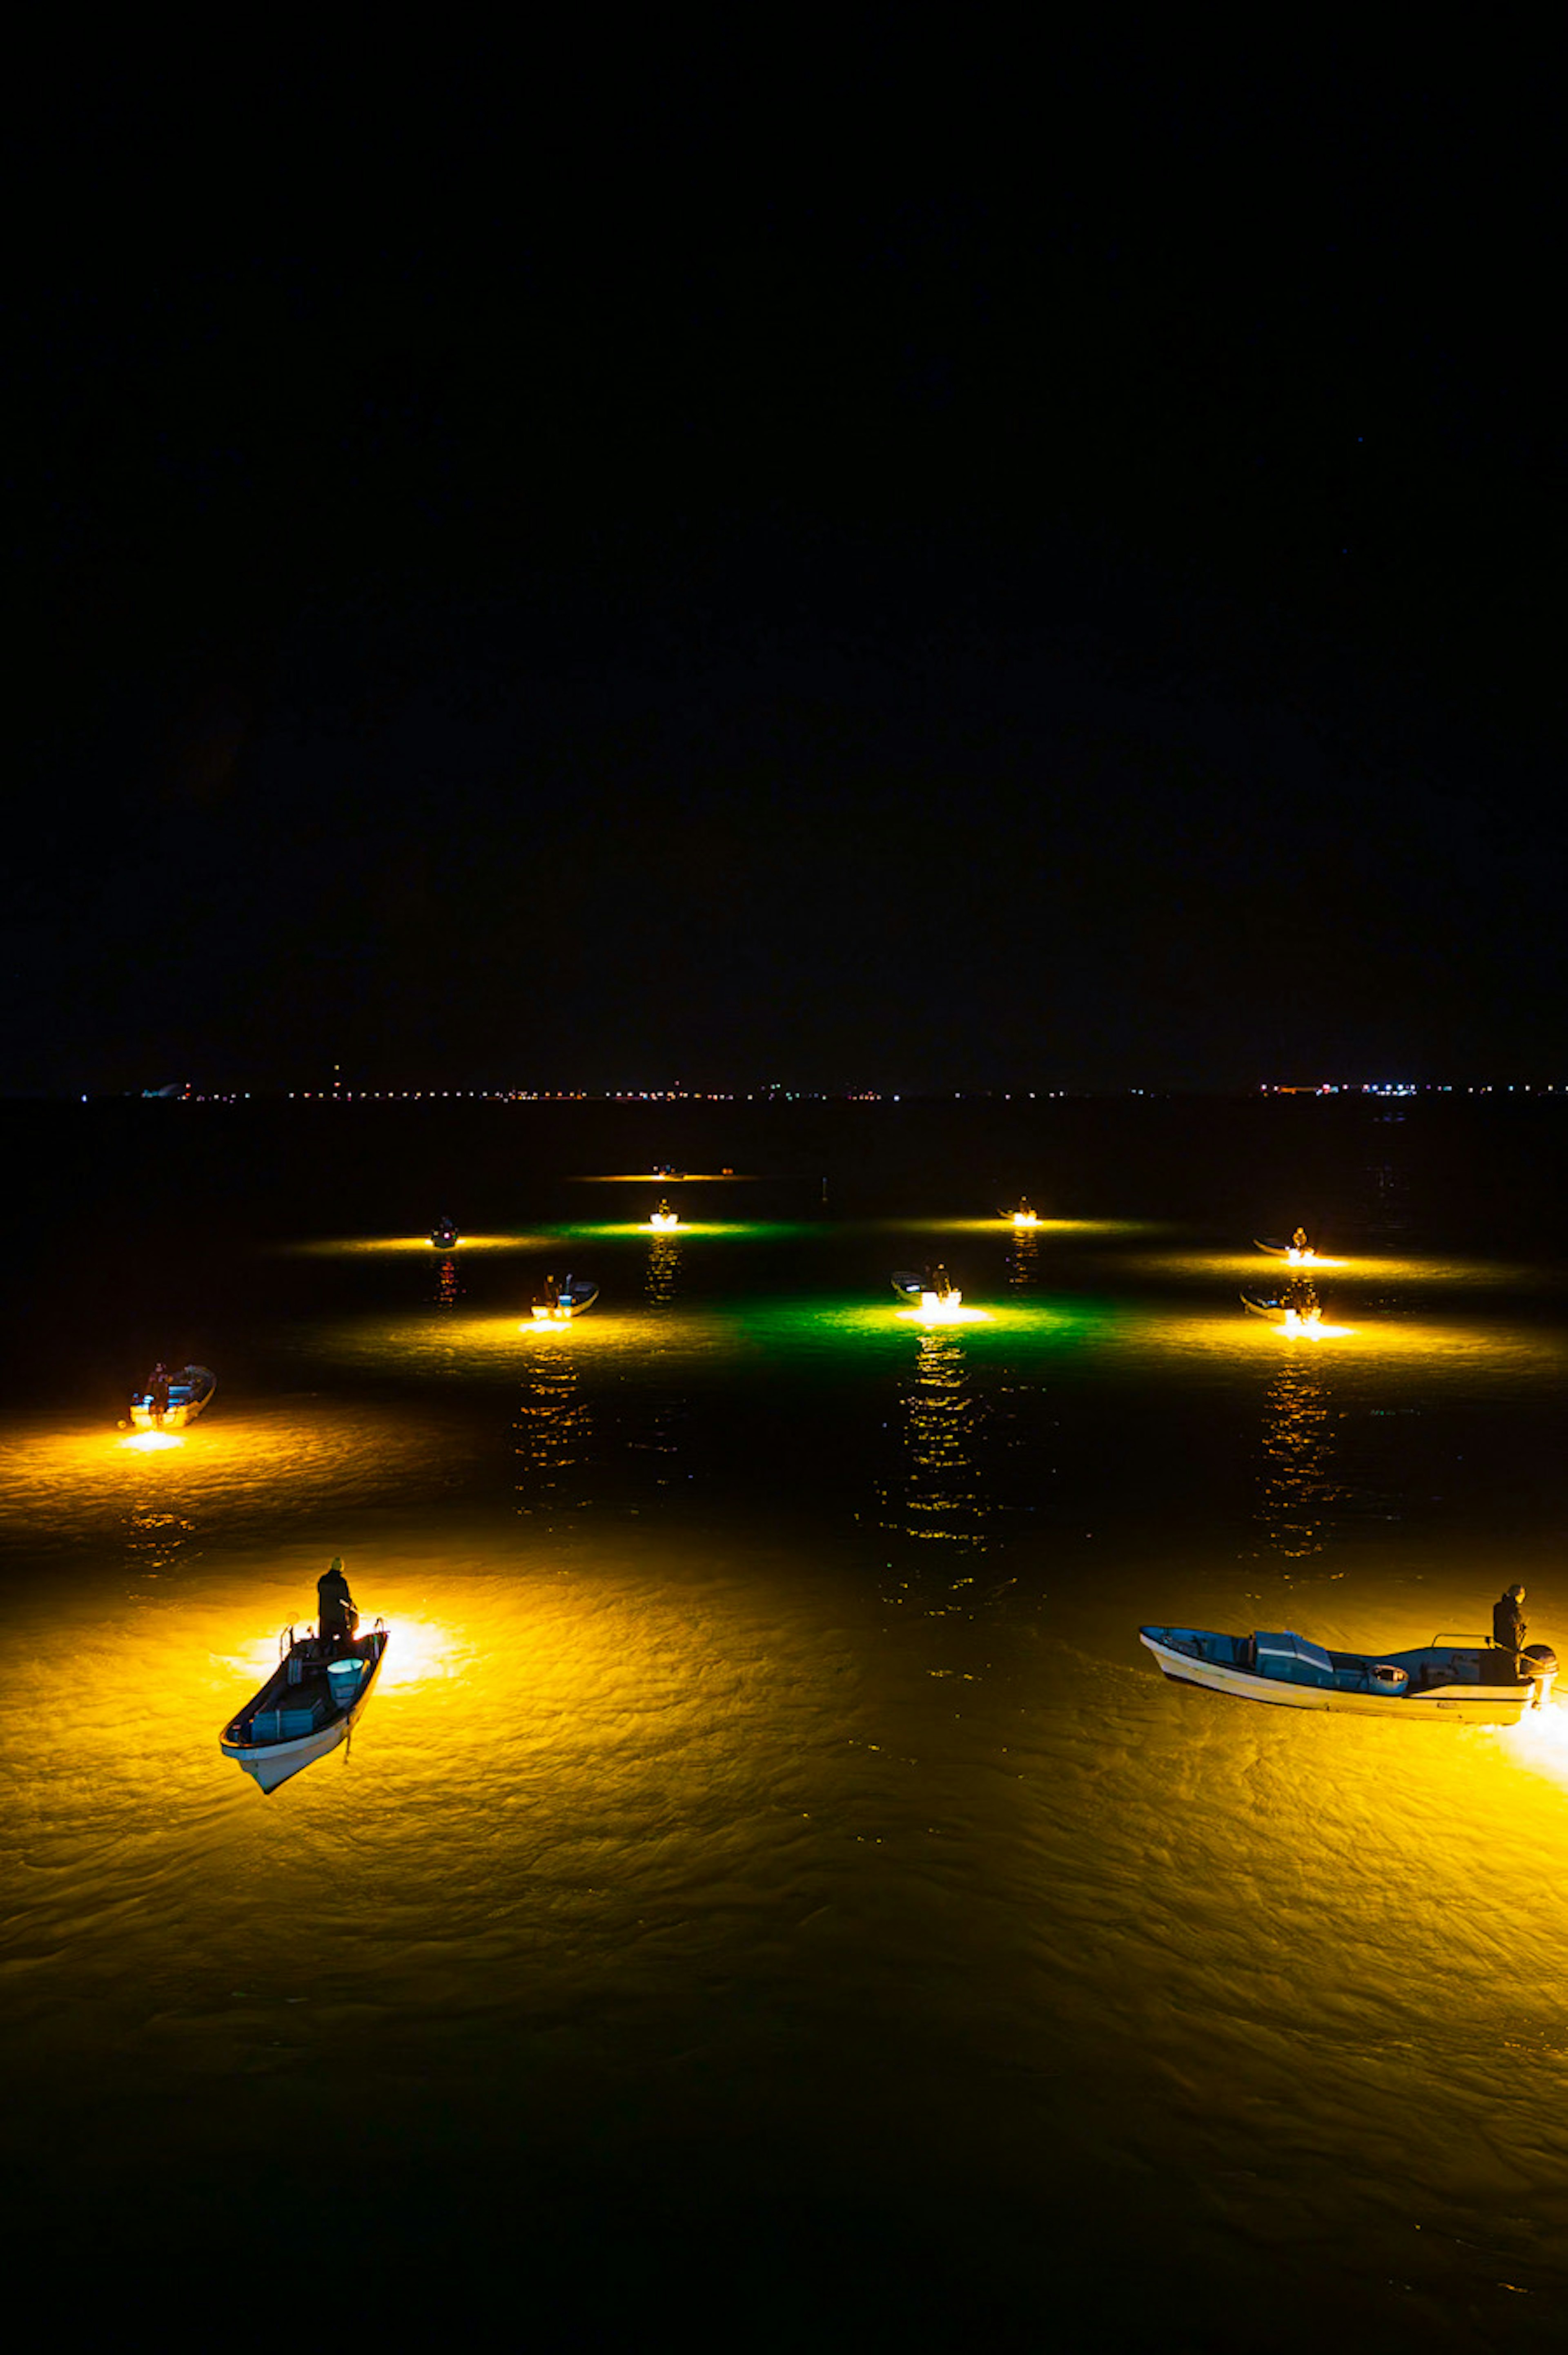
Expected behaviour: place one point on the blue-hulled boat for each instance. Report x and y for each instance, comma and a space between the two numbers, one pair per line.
1452, 1680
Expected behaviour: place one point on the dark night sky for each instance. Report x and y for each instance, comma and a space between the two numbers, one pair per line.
917, 569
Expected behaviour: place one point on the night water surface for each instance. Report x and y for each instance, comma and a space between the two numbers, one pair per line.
772, 1898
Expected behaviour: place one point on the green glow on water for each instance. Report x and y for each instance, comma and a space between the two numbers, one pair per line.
825, 1323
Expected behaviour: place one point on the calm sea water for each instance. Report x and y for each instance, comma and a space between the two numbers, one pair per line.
772, 1898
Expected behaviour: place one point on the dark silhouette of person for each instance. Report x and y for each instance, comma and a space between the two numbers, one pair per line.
1508, 1629
1298, 1241
551, 1292
1024, 1210
942, 1282
158, 1392
337, 1613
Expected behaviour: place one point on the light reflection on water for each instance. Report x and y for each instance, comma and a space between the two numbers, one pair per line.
1299, 1490
655, 1819
938, 1497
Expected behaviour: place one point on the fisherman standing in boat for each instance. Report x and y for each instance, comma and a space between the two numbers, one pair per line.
337, 1613
1298, 1241
158, 1394
1507, 1627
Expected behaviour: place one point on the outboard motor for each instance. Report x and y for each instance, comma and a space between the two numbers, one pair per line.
1538, 1662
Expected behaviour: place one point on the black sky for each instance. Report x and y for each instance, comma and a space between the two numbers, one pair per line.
562, 567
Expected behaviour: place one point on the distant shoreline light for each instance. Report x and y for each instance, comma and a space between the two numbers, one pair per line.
1406, 1090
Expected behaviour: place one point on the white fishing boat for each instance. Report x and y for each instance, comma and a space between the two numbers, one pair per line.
307, 1706
1452, 1680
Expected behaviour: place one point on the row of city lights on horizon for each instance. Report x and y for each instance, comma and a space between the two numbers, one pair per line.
340, 1095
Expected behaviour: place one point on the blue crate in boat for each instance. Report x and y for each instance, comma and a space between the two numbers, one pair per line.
300, 1713
1293, 1660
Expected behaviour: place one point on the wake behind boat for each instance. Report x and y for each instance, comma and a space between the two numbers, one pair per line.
307, 1705
171, 1400
1452, 1680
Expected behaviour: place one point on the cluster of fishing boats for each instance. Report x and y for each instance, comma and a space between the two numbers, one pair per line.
1294, 1308
308, 1703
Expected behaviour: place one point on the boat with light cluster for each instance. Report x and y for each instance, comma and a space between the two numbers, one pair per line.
560, 1302
930, 1296
445, 1234
307, 1706
189, 1392
1452, 1680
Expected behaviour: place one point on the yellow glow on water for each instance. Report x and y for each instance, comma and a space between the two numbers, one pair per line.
1310, 1328
1107, 1229
1539, 1744
943, 1312
667, 1178
1251, 1268
421, 1651
417, 1246
291, 1457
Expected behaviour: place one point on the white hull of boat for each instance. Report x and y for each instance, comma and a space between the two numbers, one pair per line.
269, 1764
1443, 1705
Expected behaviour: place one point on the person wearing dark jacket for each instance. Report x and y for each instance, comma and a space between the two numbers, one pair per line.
1508, 1625
337, 1615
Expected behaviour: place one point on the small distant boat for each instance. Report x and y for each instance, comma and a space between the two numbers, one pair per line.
1297, 1258
570, 1299
189, 1392
307, 1705
444, 1234
1455, 1680
663, 1219
1023, 1217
